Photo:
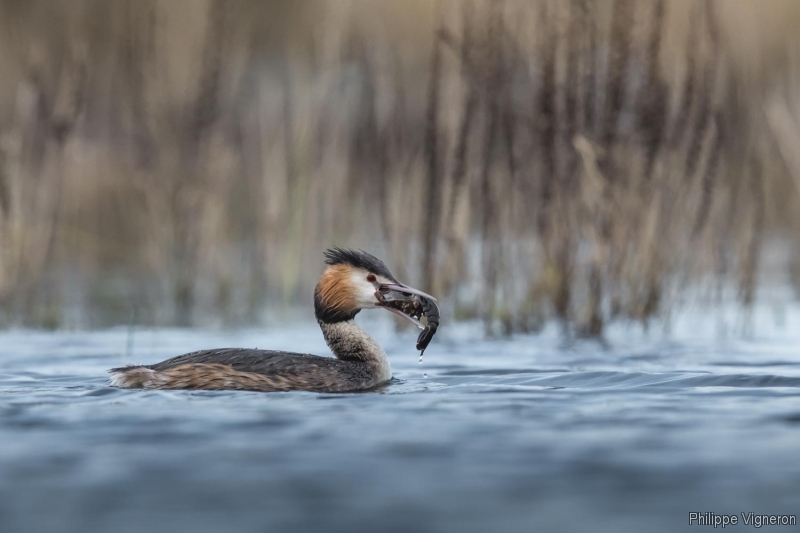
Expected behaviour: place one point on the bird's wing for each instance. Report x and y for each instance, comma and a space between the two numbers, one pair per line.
249, 360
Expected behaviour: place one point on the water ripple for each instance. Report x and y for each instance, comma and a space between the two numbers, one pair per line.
509, 435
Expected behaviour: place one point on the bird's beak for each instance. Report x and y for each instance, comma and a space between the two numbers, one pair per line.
405, 289
398, 292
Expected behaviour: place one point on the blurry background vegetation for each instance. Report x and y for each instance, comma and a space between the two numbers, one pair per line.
186, 161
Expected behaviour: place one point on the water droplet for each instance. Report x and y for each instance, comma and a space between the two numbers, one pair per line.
424, 375
420, 358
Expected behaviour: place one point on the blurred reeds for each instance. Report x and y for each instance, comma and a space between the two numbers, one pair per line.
185, 162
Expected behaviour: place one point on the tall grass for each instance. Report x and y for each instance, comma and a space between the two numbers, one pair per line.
186, 162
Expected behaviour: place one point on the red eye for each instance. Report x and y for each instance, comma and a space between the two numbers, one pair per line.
371, 278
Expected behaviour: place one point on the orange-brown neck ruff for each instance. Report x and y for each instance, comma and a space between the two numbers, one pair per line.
334, 300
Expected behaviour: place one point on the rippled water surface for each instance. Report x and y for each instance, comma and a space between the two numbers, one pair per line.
526, 434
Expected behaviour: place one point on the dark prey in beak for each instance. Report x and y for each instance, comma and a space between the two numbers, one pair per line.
411, 304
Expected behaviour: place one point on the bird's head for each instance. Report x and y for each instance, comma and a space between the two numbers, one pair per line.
355, 280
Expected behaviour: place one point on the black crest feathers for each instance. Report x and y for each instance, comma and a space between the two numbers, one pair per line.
357, 259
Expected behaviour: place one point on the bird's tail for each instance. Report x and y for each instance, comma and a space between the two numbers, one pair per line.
135, 377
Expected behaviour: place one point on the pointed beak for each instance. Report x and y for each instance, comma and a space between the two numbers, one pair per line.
398, 292
405, 289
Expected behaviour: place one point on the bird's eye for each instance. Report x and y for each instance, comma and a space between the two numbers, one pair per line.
371, 278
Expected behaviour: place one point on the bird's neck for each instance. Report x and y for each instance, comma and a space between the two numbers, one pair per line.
349, 342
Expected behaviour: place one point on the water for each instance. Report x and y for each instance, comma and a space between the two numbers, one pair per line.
526, 434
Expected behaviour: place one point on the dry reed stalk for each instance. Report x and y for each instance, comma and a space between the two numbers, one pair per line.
549, 154
545, 122
688, 89
487, 205
652, 107
752, 251
705, 106
433, 189
710, 175
458, 176
619, 56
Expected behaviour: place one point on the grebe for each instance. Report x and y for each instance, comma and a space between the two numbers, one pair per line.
352, 281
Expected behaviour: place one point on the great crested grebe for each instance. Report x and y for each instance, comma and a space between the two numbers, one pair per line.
352, 281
